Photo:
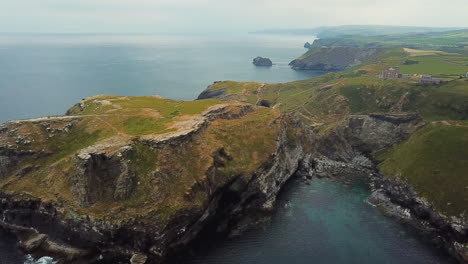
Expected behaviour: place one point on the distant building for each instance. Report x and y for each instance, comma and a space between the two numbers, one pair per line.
466, 75
391, 73
427, 79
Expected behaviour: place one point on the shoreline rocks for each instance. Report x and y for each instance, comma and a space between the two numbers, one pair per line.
401, 202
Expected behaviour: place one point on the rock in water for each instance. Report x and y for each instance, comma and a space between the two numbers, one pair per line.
260, 61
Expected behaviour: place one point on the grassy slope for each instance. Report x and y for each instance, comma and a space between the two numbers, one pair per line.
360, 90
435, 162
140, 115
329, 98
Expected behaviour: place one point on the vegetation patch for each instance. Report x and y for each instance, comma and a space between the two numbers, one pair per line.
435, 162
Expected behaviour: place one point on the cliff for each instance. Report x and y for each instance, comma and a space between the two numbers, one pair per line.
140, 177
334, 58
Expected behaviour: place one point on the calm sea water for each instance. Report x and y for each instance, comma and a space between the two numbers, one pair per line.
325, 222
46, 74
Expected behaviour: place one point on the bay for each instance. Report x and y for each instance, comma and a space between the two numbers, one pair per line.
327, 222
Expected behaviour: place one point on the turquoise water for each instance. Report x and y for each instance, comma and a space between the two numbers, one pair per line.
46, 74
325, 223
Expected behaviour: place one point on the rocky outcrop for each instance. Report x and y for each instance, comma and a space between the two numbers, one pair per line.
207, 94
260, 61
374, 132
32, 241
98, 173
334, 58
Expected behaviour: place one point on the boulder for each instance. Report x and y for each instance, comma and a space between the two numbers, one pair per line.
138, 259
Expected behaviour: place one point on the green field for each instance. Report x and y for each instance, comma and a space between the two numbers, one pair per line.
444, 66
450, 41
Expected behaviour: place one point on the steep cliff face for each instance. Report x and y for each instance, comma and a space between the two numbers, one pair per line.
334, 58
351, 144
87, 185
350, 149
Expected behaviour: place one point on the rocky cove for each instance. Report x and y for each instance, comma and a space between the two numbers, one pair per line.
106, 172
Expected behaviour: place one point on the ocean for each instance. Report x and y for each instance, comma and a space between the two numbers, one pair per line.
46, 74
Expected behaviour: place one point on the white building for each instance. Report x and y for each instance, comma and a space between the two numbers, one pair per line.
466, 75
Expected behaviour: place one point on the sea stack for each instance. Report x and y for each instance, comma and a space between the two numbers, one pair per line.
260, 61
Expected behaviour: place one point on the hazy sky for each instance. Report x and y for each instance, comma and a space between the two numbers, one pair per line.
185, 16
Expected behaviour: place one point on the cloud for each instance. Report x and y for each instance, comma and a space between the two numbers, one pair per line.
153, 16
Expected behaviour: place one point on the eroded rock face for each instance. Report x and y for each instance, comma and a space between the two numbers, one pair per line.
98, 174
10, 157
207, 94
334, 58
374, 132
5, 163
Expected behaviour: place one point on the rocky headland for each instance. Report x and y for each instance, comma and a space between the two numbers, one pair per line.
334, 58
141, 195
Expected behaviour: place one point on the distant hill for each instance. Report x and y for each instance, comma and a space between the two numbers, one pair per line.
357, 30
450, 41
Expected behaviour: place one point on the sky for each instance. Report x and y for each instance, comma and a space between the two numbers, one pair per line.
216, 16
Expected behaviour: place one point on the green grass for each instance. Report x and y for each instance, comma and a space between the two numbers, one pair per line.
65, 144
435, 162
145, 125
233, 87
445, 102
139, 115
441, 66
125, 105
451, 41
